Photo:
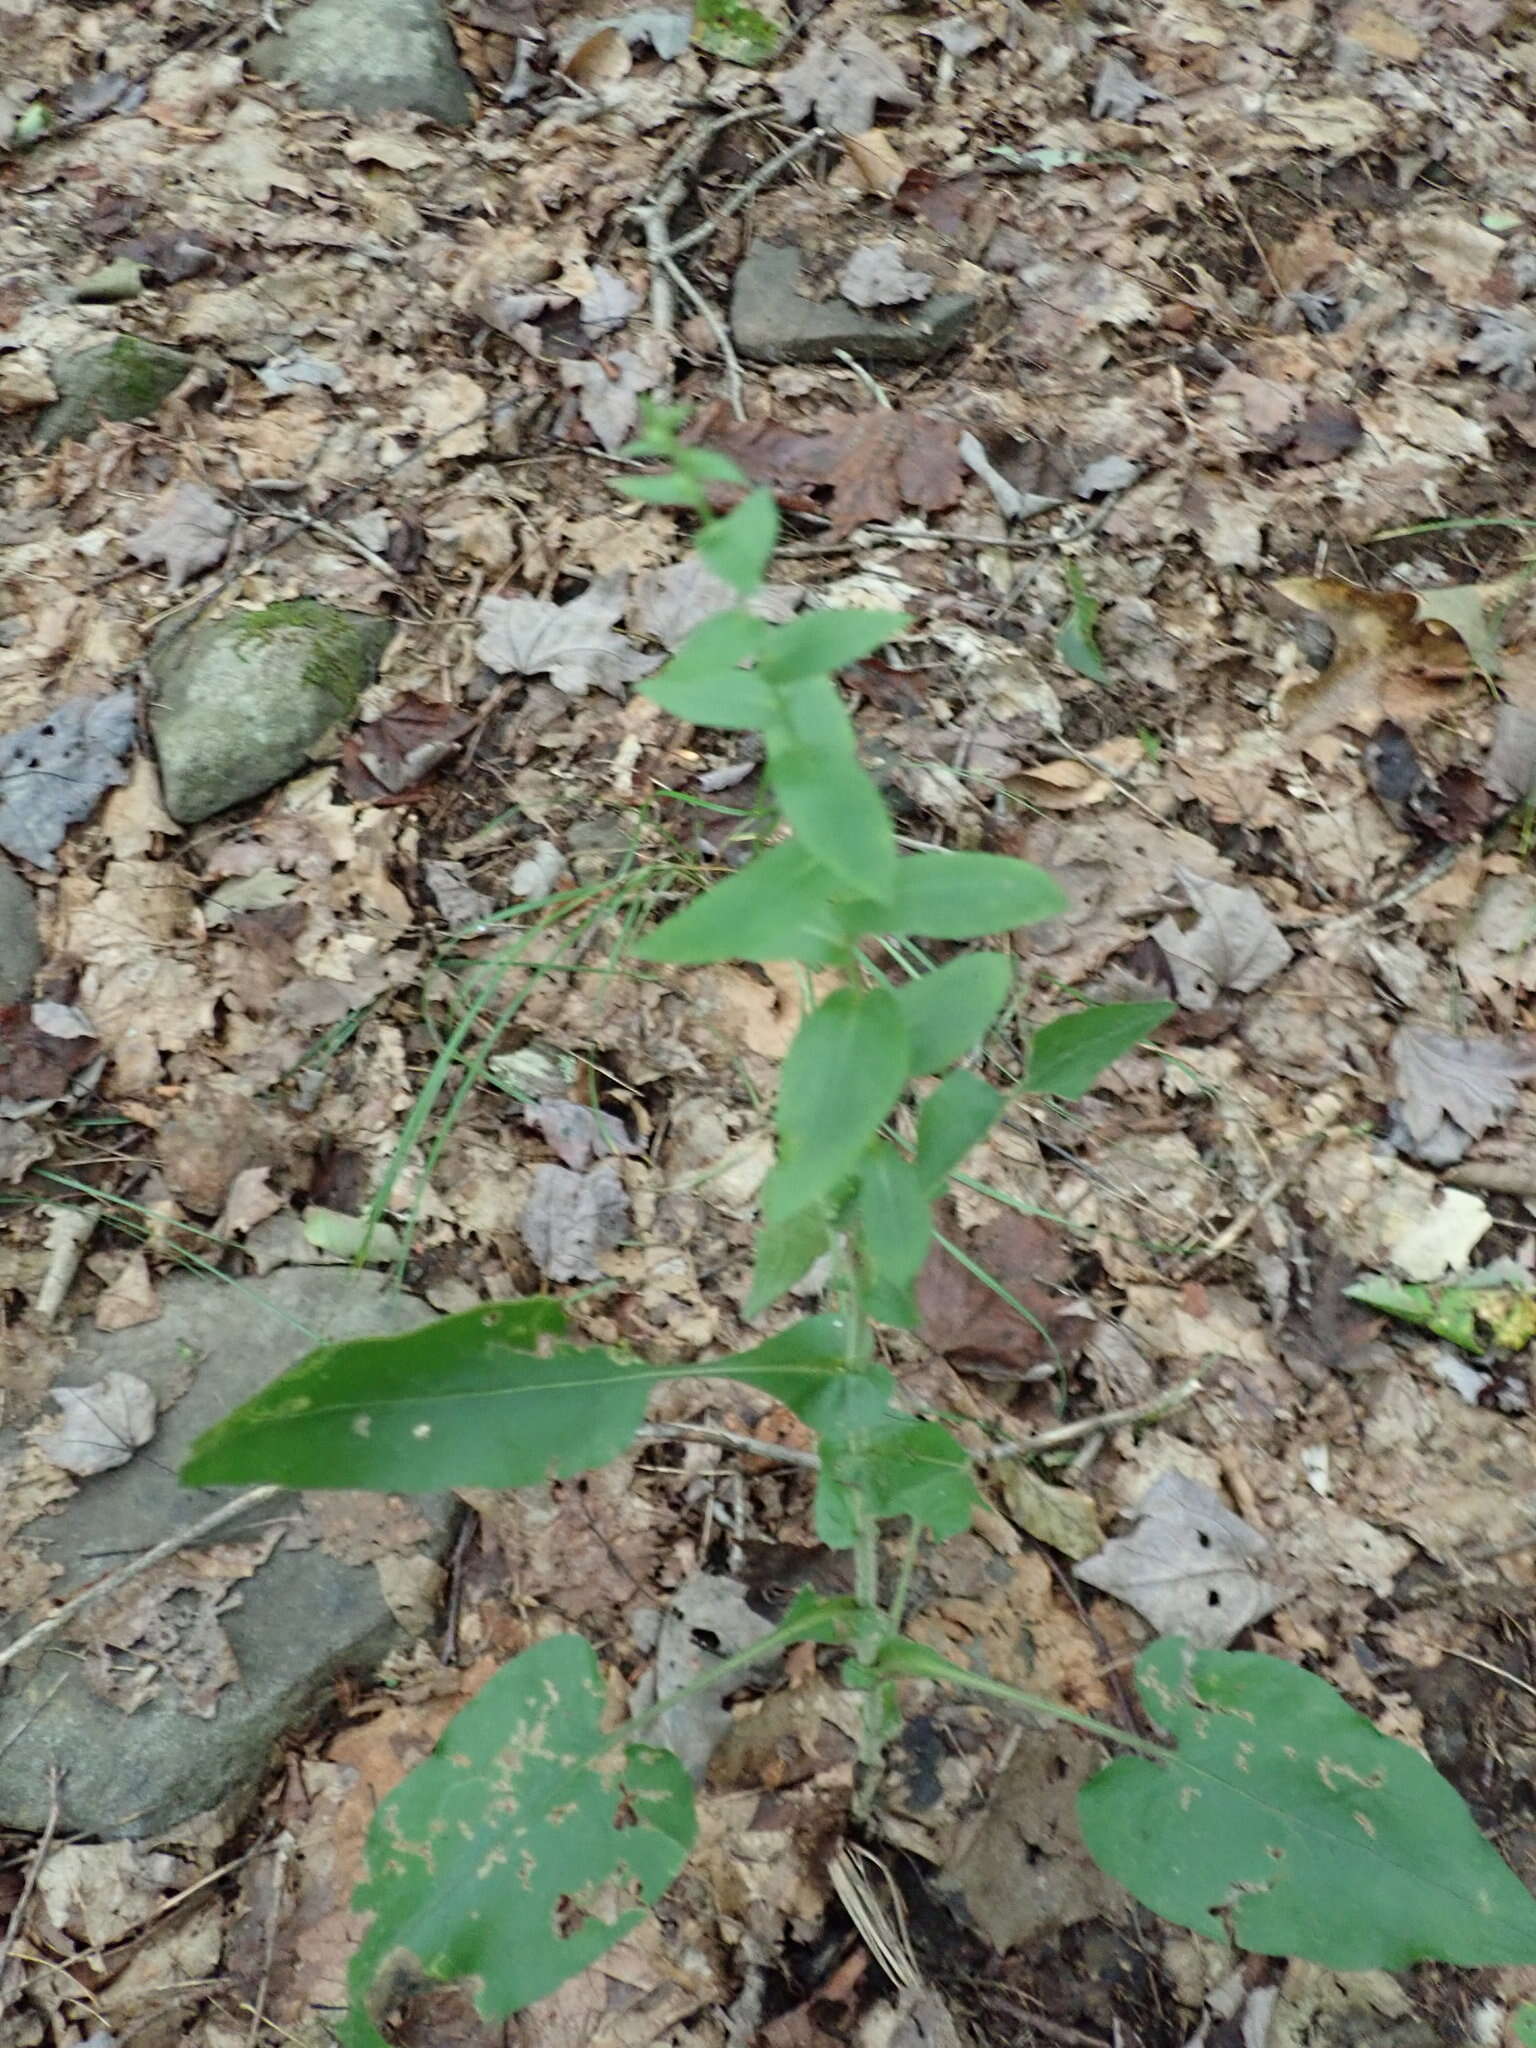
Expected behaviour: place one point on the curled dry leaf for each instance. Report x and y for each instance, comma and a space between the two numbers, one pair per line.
875, 162
387, 760
1388, 661
1452, 1089
189, 532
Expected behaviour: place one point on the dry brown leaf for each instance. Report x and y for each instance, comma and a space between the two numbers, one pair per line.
131, 1298
1388, 662
873, 464
875, 162
975, 1327
1061, 785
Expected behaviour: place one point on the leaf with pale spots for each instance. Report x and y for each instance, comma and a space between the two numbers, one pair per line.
1285, 1823
526, 1845
493, 1398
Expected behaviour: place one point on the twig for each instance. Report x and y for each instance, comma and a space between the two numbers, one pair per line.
34, 1870
269, 1954
1243, 1221
194, 1532
747, 191
1113, 1418
729, 1440
666, 274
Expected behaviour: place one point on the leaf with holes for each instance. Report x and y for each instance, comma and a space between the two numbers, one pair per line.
1285, 1823
522, 1849
1189, 1565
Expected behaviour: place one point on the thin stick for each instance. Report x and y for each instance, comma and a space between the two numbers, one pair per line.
34, 1870
730, 1440
667, 273
1112, 1418
1243, 1221
194, 1532
748, 191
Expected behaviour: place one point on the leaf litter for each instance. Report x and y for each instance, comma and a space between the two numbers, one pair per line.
1213, 344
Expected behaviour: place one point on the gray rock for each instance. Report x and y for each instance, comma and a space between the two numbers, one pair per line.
122, 379
773, 322
238, 702
370, 56
300, 1620
21, 950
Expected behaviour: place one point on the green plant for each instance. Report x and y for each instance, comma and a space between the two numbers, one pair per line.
1273, 1814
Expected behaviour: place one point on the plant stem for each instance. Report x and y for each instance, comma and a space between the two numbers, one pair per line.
907, 1659
781, 1638
898, 1607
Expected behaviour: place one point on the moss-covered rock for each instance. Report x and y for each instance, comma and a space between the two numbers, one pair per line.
238, 702
122, 379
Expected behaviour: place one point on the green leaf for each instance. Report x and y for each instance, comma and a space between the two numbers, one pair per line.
1523, 2020
893, 1213
821, 643
740, 546
663, 489
948, 1011
708, 466
1478, 1314
523, 1847
779, 907
786, 1252
465, 1401
705, 682
1075, 643
841, 1078
966, 895
813, 766
957, 1115
876, 1461
739, 34
1067, 1057
1286, 1824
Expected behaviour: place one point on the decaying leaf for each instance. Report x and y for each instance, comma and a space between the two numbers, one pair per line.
571, 1219
99, 1426
1490, 1309
577, 1134
387, 760
877, 275
1234, 943
574, 644
52, 773
47, 1050
1391, 659
1190, 1567
610, 387
1054, 1515
189, 532
1452, 1089
841, 82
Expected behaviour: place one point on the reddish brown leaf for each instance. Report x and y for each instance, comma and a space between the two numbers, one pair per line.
870, 465
973, 1326
945, 203
36, 1066
387, 761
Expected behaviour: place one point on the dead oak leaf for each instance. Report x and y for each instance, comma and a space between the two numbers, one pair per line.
1389, 659
574, 644
841, 82
1190, 1567
873, 464
189, 532
387, 760
1452, 1089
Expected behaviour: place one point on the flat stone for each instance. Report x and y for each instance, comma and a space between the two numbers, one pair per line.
370, 56
21, 950
122, 379
301, 1619
238, 702
773, 322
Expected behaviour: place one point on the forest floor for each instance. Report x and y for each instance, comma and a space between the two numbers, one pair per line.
1213, 524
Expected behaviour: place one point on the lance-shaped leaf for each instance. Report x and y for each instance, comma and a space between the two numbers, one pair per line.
842, 1076
1285, 1823
526, 1844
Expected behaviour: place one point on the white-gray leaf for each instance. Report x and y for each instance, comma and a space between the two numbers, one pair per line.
1233, 944
571, 1219
53, 772
1510, 769
1504, 347
99, 1426
1451, 1090
1190, 1567
1118, 94
841, 82
877, 275
577, 1135
574, 644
